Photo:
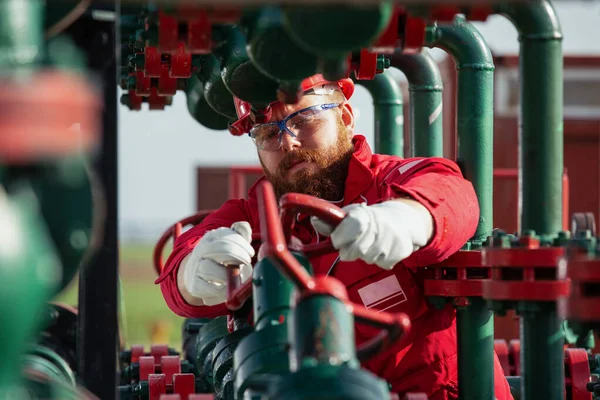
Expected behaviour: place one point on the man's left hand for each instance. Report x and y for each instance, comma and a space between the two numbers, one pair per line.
382, 234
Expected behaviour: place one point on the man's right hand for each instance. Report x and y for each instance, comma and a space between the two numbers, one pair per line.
204, 272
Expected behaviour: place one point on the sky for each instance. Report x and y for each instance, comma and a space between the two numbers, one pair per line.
159, 151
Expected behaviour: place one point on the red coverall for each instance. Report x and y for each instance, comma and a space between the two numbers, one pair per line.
426, 360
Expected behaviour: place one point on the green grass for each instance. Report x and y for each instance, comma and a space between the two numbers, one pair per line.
142, 302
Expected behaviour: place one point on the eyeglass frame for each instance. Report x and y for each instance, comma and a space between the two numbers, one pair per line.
282, 125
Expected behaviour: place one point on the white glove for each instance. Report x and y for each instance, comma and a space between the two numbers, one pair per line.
204, 273
382, 234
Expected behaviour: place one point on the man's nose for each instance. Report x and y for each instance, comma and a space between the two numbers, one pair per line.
289, 142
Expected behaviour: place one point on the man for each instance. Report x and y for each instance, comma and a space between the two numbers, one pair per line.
402, 214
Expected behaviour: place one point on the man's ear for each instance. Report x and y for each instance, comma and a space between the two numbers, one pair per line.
348, 116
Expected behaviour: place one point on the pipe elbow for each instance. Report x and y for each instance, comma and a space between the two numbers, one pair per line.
421, 71
533, 20
464, 42
383, 88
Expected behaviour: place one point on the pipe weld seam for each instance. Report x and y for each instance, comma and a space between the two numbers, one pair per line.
476, 67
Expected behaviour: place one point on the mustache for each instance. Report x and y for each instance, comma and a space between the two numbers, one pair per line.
297, 156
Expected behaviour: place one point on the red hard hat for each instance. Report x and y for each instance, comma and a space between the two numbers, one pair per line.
242, 108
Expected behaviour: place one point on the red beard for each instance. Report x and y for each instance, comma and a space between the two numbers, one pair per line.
327, 182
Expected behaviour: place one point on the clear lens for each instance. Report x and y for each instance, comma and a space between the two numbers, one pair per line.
303, 125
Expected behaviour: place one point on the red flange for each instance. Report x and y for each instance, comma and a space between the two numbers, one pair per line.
134, 101
152, 62
167, 86
169, 366
180, 62
142, 84
501, 349
137, 351
413, 38
184, 384
389, 39
168, 33
199, 34
156, 101
527, 273
583, 304
147, 367
367, 65
460, 276
159, 350
577, 374
157, 386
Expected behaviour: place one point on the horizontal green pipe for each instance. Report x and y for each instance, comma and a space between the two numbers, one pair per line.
426, 115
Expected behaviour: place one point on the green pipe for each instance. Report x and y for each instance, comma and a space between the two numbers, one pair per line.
425, 88
389, 117
541, 115
21, 33
475, 109
541, 169
474, 63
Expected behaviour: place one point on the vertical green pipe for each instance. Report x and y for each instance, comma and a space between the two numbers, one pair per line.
389, 117
21, 34
474, 63
541, 168
541, 116
425, 88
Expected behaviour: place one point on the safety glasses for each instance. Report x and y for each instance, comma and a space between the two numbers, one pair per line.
301, 124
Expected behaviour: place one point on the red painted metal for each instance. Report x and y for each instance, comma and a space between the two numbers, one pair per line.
528, 261
169, 366
514, 357
184, 384
157, 385
137, 351
147, 367
577, 374
583, 304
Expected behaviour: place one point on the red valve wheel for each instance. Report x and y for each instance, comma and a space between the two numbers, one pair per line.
577, 374
174, 231
169, 366
514, 357
393, 326
137, 351
152, 62
501, 349
157, 386
184, 384
181, 62
146, 367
